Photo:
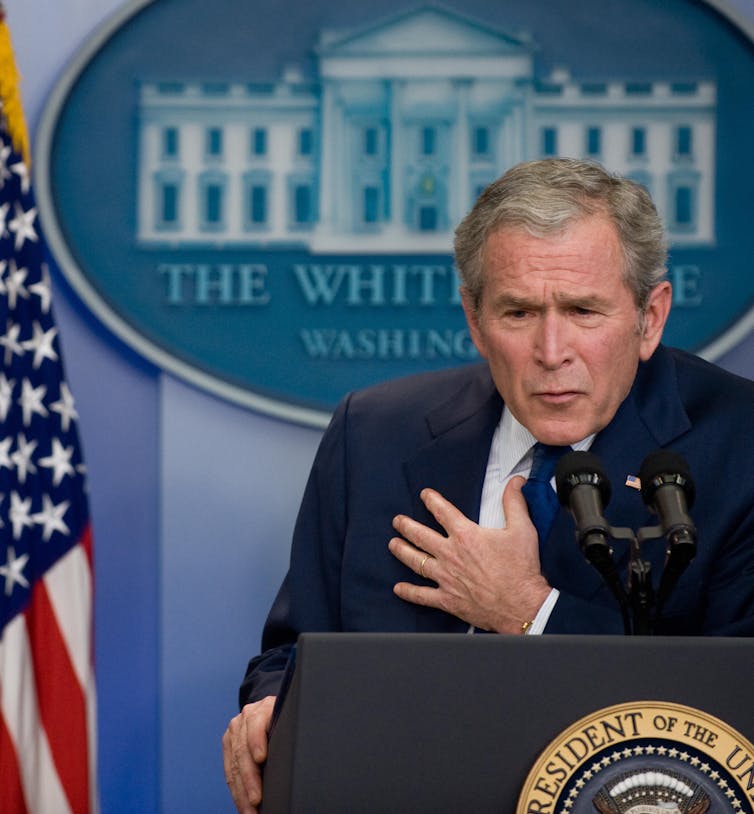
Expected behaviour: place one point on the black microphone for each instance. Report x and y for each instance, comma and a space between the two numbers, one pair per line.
668, 490
583, 489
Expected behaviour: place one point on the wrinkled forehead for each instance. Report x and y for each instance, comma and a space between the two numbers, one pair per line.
579, 239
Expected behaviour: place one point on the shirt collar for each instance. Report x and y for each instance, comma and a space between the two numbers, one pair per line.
512, 444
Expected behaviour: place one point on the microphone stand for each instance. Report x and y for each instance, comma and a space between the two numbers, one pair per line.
640, 607
640, 588
601, 557
680, 550
637, 600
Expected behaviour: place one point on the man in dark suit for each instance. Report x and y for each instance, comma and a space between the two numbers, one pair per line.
414, 518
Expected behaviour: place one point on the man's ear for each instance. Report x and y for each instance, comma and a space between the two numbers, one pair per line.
655, 317
471, 311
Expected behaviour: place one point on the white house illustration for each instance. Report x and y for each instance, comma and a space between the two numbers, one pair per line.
387, 148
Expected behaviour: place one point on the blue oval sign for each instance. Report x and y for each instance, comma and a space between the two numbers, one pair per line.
271, 217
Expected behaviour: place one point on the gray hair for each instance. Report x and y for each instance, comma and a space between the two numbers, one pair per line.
544, 197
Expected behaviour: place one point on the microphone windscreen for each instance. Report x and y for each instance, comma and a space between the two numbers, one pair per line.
580, 467
665, 466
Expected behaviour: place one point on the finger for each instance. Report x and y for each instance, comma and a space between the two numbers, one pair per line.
259, 718
421, 536
446, 514
414, 558
417, 594
515, 508
241, 773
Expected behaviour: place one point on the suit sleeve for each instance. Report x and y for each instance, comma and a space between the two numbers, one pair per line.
573, 615
309, 598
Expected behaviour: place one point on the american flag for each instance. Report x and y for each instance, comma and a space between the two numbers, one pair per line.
633, 481
47, 693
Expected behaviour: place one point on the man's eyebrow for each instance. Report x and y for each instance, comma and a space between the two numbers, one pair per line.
515, 301
582, 301
509, 300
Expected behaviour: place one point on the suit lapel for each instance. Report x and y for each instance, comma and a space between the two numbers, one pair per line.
455, 460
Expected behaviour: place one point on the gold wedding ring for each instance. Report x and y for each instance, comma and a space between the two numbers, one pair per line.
421, 567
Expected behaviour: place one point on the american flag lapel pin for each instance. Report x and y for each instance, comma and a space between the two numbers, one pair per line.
633, 482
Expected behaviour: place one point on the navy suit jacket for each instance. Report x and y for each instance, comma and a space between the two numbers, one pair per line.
388, 442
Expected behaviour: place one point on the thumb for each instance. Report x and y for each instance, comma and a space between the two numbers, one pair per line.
515, 508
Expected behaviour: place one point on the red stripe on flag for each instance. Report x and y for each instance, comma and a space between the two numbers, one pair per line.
62, 705
87, 543
11, 793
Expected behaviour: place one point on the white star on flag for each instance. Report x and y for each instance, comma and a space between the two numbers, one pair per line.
11, 343
4, 156
51, 517
5, 461
59, 461
6, 395
41, 344
42, 289
31, 401
65, 406
22, 172
13, 570
23, 226
14, 284
22, 458
19, 514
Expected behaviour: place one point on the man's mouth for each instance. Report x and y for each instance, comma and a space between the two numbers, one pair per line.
557, 396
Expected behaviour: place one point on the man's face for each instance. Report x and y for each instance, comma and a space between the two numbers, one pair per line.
560, 328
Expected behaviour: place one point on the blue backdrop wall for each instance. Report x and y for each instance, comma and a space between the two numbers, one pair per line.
193, 501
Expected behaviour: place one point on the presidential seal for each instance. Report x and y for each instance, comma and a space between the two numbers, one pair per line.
644, 757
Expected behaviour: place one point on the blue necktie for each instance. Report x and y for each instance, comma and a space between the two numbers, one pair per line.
540, 496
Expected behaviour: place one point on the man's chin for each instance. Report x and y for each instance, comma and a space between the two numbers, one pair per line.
560, 434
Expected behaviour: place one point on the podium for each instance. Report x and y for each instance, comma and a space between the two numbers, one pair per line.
450, 722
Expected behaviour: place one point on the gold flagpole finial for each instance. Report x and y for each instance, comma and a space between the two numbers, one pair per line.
10, 93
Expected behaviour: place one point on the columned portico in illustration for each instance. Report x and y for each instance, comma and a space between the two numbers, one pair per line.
405, 121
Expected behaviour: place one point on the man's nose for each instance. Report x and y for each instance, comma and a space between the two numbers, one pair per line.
552, 343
